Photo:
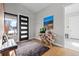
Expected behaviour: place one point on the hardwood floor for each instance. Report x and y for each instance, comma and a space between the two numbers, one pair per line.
59, 51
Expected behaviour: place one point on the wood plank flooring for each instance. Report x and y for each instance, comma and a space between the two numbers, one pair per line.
59, 51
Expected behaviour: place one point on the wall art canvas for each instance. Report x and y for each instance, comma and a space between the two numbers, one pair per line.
48, 22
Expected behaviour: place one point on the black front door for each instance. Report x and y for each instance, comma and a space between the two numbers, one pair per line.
23, 27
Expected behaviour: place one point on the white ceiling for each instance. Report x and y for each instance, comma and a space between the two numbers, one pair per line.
36, 7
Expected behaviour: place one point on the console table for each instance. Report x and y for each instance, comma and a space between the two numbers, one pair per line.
8, 48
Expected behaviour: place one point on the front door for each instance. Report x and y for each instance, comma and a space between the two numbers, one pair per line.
23, 27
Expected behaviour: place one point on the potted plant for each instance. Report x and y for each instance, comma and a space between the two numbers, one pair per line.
42, 30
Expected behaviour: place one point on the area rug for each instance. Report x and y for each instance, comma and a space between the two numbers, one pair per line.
30, 48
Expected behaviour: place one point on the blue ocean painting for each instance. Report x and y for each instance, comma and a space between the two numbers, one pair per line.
47, 20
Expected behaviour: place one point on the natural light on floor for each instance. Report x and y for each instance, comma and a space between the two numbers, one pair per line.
75, 44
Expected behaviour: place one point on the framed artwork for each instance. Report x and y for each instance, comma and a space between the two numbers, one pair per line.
48, 22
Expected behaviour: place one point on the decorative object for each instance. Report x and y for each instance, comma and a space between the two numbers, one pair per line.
42, 30
47, 35
4, 38
47, 19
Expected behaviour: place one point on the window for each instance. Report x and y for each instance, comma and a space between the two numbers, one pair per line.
10, 25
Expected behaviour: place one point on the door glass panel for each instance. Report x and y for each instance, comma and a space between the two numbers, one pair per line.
23, 36
24, 19
23, 32
23, 27
22, 23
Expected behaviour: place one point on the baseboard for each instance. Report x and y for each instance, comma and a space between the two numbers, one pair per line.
58, 44
53, 43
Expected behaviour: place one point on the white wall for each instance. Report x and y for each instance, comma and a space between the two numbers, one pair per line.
58, 13
21, 10
70, 12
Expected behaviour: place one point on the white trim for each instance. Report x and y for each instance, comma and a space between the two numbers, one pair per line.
58, 44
